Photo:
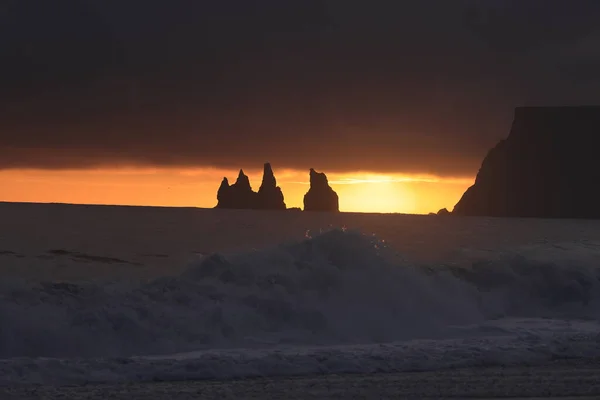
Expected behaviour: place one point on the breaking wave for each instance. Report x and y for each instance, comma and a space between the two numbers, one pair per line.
282, 309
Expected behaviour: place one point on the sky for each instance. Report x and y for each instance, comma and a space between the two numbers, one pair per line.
406, 94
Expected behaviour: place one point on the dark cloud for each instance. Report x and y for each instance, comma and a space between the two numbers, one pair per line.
409, 86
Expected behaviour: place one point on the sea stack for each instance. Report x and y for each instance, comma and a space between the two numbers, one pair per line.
270, 196
224, 194
547, 167
241, 196
320, 196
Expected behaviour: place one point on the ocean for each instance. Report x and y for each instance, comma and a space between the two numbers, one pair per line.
111, 295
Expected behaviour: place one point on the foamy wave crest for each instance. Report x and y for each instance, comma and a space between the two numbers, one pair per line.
428, 355
339, 287
549, 280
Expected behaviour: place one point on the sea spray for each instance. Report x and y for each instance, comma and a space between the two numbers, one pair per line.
335, 287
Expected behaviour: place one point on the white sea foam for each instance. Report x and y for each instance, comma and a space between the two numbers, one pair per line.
340, 301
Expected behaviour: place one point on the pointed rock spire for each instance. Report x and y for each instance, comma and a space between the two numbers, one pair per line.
268, 179
223, 196
242, 180
270, 196
224, 183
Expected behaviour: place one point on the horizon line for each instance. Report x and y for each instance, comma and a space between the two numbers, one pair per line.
193, 207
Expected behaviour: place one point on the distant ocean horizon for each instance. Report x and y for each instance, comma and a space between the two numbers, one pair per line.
187, 207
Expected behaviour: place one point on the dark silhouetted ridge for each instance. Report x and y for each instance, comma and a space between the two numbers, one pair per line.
547, 167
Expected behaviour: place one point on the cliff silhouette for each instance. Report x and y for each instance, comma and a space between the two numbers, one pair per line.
547, 167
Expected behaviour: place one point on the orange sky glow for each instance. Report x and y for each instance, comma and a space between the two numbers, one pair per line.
358, 191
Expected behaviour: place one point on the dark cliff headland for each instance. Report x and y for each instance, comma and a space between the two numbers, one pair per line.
548, 167
239, 195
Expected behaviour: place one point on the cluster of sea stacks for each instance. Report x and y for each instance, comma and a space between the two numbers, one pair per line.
320, 196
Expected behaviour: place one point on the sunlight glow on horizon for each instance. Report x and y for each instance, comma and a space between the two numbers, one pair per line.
351, 178
197, 187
